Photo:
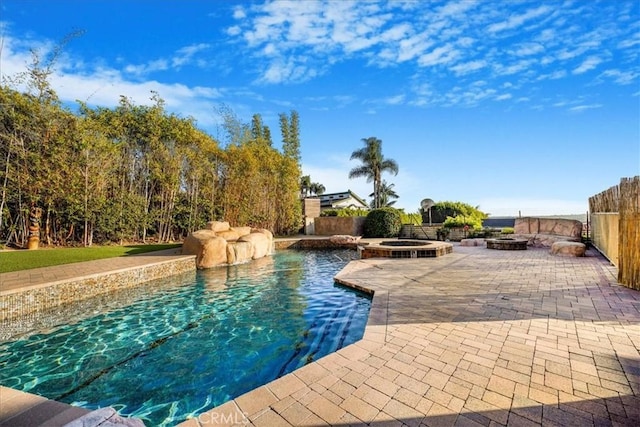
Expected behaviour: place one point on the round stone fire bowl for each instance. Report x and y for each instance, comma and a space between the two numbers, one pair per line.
507, 244
405, 249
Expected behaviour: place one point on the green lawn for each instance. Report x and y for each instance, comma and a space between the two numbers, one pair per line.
25, 260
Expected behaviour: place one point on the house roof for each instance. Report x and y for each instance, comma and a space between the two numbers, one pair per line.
329, 199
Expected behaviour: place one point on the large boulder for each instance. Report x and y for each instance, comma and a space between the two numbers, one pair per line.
554, 226
229, 235
576, 249
242, 231
218, 226
238, 252
260, 242
210, 250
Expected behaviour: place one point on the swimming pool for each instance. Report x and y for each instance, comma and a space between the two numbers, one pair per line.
186, 344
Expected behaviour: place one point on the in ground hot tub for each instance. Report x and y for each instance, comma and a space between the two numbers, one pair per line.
405, 249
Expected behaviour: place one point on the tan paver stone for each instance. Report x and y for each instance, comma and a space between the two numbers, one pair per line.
386, 420
313, 421
558, 382
295, 414
227, 414
401, 367
270, 419
286, 385
501, 385
436, 379
256, 400
311, 373
407, 397
383, 385
497, 400
305, 395
281, 405
327, 410
543, 396
601, 391
406, 414
342, 389
331, 396
412, 384
372, 396
438, 396
359, 408
387, 373
487, 410
354, 378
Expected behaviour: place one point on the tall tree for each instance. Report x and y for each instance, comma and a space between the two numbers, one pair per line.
386, 194
316, 188
374, 164
289, 126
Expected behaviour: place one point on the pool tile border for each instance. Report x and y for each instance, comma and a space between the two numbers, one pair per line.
30, 301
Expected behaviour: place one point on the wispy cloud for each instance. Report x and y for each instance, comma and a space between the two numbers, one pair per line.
588, 64
518, 20
580, 108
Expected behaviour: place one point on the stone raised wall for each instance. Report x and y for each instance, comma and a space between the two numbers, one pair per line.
335, 225
26, 303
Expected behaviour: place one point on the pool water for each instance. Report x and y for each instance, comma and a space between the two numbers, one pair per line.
191, 343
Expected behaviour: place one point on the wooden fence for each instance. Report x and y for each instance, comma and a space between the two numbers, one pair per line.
615, 216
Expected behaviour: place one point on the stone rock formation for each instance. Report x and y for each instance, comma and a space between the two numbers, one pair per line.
544, 232
342, 239
568, 248
209, 249
221, 244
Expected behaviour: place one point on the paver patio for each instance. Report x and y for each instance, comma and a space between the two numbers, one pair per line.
476, 337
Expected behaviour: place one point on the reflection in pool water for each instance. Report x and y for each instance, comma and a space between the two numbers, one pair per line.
182, 345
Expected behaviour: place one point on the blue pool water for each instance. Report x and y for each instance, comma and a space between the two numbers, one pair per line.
181, 346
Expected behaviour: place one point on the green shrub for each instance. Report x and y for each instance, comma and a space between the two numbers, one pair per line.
383, 222
508, 230
345, 212
473, 222
410, 218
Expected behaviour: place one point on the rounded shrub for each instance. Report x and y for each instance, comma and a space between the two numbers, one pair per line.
383, 222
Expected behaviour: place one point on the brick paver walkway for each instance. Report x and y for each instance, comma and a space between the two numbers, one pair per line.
474, 338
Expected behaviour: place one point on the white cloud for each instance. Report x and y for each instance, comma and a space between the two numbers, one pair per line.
440, 55
588, 64
580, 108
622, 77
504, 97
469, 67
518, 20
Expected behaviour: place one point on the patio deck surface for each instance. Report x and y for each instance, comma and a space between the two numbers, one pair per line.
474, 338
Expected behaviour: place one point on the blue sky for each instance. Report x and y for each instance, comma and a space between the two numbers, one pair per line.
512, 106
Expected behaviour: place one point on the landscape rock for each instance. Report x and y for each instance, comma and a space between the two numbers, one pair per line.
239, 252
209, 249
343, 239
229, 235
218, 226
576, 249
473, 242
242, 231
260, 242
554, 226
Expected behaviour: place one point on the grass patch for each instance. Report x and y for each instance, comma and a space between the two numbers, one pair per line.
25, 260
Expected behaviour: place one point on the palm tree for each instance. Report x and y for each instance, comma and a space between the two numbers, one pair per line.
386, 194
317, 188
373, 165
305, 185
